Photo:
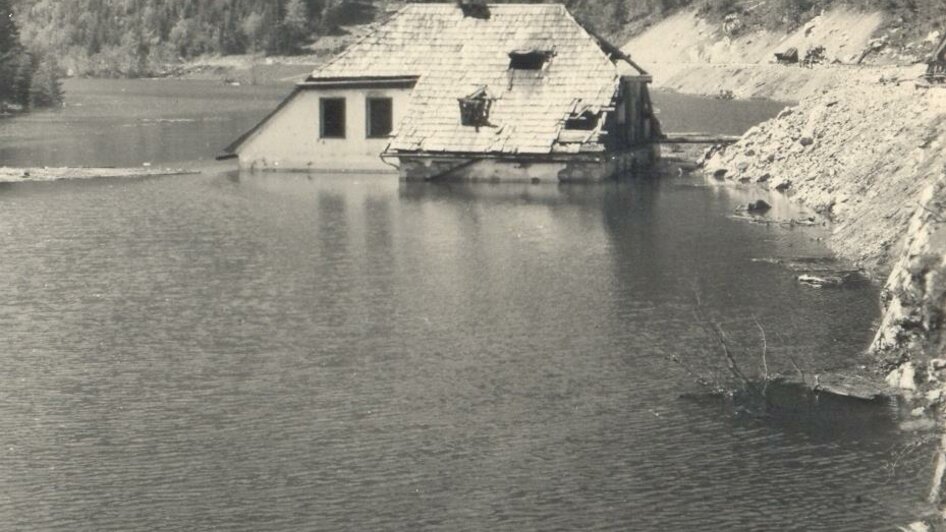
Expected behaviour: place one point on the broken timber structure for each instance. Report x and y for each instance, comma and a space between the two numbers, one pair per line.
788, 57
468, 91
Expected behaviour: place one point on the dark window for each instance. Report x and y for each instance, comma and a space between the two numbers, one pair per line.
379, 112
333, 118
585, 121
475, 111
531, 60
475, 9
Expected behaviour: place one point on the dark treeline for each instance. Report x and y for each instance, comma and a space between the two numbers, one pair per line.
132, 37
26, 79
140, 37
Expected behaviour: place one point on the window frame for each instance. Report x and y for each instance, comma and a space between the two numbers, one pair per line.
344, 117
583, 121
475, 108
529, 60
369, 115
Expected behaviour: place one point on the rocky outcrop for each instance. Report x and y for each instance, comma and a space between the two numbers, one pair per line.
689, 54
686, 37
914, 296
872, 158
860, 156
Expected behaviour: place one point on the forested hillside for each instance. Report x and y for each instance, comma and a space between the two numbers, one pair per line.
135, 37
132, 37
26, 79
139, 37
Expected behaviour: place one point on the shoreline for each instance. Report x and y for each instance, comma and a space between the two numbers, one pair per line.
870, 157
53, 174
48, 174
784, 83
245, 70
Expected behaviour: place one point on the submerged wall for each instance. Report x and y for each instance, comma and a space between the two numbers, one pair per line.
560, 168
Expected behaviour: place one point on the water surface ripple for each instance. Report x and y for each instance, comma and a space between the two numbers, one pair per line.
292, 352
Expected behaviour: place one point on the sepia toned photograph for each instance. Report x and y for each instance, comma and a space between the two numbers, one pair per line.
376, 265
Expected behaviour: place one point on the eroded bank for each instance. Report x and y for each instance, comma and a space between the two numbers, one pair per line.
870, 157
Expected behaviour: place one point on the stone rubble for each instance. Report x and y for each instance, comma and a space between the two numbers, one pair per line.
860, 156
871, 157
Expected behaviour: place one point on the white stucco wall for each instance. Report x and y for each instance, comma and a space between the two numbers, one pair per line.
290, 139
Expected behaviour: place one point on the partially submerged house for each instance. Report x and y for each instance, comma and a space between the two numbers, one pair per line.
499, 91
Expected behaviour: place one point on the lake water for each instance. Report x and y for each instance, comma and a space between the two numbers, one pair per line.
295, 352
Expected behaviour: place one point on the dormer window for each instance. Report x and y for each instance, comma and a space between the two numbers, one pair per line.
586, 121
474, 9
474, 109
529, 59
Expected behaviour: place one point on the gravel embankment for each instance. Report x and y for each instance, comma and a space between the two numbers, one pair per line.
861, 156
872, 158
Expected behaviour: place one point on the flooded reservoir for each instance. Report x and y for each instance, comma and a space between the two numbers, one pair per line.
300, 352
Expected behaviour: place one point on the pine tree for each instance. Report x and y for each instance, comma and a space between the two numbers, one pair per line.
15, 66
296, 20
276, 39
9, 33
252, 27
23, 70
46, 89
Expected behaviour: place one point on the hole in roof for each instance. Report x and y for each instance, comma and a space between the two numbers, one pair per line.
585, 121
474, 9
529, 59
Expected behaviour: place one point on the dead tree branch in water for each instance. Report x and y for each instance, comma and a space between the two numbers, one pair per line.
734, 369
722, 340
713, 385
765, 361
907, 453
801, 373
936, 490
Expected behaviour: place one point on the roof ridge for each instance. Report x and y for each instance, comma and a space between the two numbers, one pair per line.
609, 49
378, 26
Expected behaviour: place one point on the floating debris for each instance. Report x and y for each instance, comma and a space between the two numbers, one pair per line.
792, 222
828, 281
8, 175
758, 207
821, 266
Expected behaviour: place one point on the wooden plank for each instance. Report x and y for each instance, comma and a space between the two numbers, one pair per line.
696, 138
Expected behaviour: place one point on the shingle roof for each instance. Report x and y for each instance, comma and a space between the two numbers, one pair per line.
454, 55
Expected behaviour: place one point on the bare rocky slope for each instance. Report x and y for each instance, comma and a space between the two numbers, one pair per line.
864, 147
861, 156
689, 54
871, 158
